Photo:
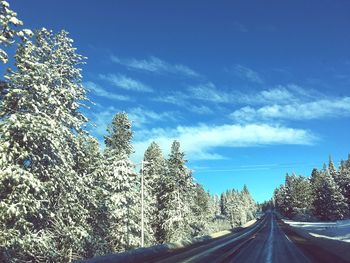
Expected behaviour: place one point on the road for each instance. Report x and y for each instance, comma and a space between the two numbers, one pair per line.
264, 242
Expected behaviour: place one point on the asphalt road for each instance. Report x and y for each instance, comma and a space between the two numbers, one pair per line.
264, 242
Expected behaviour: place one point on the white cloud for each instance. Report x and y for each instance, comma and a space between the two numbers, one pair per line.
199, 142
248, 74
318, 109
239, 27
99, 91
208, 92
176, 98
287, 94
155, 65
140, 116
201, 109
126, 83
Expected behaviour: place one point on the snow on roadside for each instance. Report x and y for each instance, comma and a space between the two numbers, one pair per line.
338, 230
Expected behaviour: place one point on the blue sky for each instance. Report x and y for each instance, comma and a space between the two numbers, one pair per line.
251, 89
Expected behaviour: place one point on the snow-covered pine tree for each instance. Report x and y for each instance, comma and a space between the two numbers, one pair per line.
344, 180
279, 197
249, 204
89, 165
8, 29
203, 211
154, 171
119, 135
330, 201
121, 188
331, 168
176, 198
41, 212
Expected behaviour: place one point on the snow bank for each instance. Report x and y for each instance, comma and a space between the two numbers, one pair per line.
148, 253
339, 230
337, 244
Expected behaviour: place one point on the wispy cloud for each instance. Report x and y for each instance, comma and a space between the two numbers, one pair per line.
155, 65
287, 94
248, 74
319, 109
209, 92
140, 116
199, 142
175, 98
200, 109
99, 91
125, 82
240, 27
184, 101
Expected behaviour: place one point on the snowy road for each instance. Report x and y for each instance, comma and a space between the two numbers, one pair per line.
264, 242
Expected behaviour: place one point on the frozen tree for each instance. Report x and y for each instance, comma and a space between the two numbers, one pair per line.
41, 204
279, 198
343, 180
203, 211
238, 207
90, 166
121, 201
298, 195
317, 179
175, 198
8, 29
248, 203
120, 135
329, 200
154, 170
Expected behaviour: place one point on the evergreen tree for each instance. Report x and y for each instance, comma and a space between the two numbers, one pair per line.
154, 170
175, 199
120, 135
343, 180
249, 204
330, 202
41, 204
202, 212
8, 29
122, 188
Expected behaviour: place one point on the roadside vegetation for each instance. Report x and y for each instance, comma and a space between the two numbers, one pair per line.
324, 196
62, 198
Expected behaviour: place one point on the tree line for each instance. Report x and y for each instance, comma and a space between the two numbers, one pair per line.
325, 195
61, 197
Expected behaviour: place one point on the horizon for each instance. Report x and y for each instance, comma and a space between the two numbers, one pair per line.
249, 97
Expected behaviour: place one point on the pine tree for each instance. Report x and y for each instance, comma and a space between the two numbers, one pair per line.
121, 188
120, 135
317, 178
154, 171
249, 204
8, 29
332, 204
40, 120
176, 198
297, 196
202, 211
89, 165
343, 180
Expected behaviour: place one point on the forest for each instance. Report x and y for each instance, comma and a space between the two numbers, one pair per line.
325, 195
66, 196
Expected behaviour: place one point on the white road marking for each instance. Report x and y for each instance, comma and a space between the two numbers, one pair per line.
288, 238
270, 243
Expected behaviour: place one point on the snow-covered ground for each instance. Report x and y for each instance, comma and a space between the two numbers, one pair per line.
339, 230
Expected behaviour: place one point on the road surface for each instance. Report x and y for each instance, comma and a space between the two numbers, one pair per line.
265, 242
